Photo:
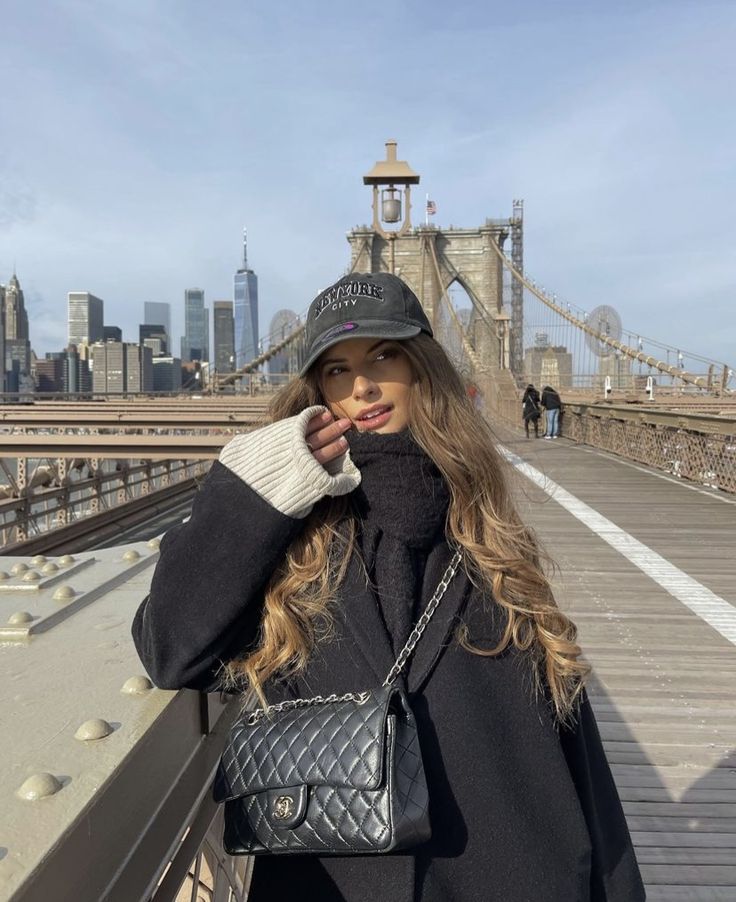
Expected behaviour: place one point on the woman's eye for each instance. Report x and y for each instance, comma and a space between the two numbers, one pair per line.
387, 354
335, 371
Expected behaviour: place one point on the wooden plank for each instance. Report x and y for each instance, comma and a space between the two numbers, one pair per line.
671, 893
695, 875
688, 824
660, 794
680, 856
681, 809
664, 681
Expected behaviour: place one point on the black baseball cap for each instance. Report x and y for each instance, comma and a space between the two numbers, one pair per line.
362, 305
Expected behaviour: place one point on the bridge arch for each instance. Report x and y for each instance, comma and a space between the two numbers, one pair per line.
431, 260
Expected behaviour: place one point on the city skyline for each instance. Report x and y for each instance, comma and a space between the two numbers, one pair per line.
607, 120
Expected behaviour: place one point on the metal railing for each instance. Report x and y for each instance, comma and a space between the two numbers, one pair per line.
50, 495
698, 447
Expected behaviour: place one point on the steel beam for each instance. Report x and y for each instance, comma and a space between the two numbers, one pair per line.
139, 447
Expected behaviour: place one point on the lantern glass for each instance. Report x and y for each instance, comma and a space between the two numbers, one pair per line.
391, 205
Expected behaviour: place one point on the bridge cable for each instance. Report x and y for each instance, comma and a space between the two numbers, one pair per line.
698, 381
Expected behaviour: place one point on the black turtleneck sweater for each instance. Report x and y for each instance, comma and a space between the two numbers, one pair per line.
401, 505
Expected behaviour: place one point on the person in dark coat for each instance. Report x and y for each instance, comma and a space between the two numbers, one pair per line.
552, 404
530, 411
313, 547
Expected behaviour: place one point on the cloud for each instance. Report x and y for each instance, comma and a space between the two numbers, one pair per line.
17, 204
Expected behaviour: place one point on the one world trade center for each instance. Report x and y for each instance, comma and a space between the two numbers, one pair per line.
245, 311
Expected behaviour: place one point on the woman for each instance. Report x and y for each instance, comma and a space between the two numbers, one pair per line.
313, 546
530, 409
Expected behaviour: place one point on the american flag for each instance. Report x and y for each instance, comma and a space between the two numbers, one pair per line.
431, 207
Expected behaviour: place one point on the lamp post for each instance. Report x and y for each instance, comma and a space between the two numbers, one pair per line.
391, 178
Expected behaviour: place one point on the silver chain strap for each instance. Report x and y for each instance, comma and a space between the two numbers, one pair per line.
360, 698
421, 624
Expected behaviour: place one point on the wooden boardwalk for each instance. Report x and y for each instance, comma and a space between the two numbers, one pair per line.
664, 681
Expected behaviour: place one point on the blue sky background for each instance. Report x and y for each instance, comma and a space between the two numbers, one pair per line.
140, 137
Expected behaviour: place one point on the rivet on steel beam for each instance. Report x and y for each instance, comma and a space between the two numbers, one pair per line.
154, 543
93, 729
20, 617
38, 559
49, 568
38, 787
20, 567
66, 559
31, 576
137, 685
64, 593
131, 555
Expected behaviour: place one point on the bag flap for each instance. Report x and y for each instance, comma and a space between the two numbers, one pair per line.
334, 744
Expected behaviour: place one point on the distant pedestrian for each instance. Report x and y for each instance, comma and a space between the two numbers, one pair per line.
530, 410
552, 405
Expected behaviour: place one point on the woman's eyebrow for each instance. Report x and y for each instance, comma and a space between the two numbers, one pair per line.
331, 360
378, 344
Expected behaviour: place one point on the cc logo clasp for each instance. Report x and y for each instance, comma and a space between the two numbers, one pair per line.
283, 807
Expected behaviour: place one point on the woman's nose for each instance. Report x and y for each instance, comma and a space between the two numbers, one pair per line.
364, 387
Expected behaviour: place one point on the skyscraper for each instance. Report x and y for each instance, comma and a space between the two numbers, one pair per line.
245, 292
194, 344
16, 317
224, 336
155, 314
85, 318
153, 336
15, 345
121, 367
158, 314
16, 357
282, 325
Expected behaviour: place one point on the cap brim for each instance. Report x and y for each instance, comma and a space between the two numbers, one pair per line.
363, 329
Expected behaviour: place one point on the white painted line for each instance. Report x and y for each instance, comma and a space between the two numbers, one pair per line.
711, 608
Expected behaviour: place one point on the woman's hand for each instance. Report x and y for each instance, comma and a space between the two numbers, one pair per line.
325, 436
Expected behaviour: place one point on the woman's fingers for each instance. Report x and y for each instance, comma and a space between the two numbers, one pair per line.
330, 452
318, 421
325, 437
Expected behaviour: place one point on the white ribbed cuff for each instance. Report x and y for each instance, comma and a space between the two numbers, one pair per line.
276, 462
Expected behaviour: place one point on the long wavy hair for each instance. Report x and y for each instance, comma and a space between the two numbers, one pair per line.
501, 553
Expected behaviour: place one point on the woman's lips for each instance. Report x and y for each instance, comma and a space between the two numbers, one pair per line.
375, 421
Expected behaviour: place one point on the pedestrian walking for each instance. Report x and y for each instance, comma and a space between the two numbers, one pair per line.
552, 404
530, 410
367, 537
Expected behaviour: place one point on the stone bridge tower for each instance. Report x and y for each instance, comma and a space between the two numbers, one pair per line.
430, 260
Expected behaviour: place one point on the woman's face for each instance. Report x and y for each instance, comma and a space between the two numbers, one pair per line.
367, 380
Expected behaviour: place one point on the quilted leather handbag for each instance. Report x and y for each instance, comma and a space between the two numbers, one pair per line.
339, 775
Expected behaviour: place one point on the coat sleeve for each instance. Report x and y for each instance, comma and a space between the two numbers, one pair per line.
205, 600
615, 873
205, 603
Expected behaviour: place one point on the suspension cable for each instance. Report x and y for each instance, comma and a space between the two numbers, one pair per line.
675, 372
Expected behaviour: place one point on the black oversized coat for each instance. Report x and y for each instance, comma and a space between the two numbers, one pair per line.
520, 811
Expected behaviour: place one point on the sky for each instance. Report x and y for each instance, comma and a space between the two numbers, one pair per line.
139, 138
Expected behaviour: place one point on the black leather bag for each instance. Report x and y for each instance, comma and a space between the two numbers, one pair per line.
340, 775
